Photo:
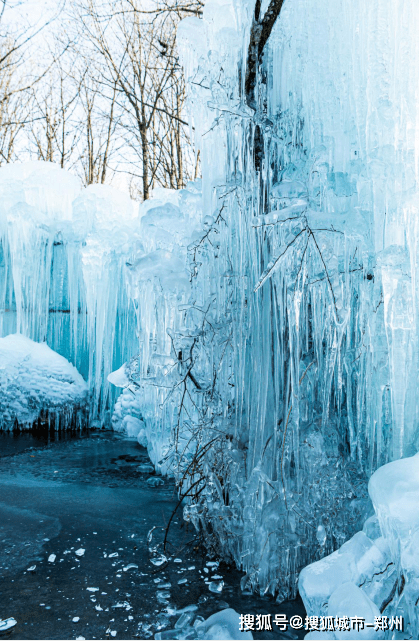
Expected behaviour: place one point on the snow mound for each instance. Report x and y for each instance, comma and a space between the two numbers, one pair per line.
34, 378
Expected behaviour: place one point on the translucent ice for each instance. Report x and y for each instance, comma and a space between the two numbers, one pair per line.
348, 600
62, 251
223, 625
356, 561
307, 264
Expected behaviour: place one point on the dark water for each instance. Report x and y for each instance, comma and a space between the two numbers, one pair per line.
64, 493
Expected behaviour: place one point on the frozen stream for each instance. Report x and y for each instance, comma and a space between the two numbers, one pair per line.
85, 492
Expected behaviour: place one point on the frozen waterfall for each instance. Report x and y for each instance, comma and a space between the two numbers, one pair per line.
265, 324
62, 251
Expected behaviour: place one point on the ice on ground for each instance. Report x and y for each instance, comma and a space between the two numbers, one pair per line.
356, 561
6, 624
379, 575
348, 600
276, 304
223, 625
155, 481
130, 566
35, 379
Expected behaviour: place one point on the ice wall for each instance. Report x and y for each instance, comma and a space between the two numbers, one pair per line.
161, 393
62, 253
306, 277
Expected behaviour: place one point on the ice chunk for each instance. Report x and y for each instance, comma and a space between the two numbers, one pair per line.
6, 624
223, 625
185, 619
119, 377
356, 561
155, 481
80, 552
158, 560
52, 558
216, 586
350, 601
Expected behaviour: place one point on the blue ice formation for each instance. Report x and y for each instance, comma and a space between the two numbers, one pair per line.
265, 324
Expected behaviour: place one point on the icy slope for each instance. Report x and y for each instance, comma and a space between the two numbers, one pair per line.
33, 380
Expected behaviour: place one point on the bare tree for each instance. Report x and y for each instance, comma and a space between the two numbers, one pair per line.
15, 105
108, 99
141, 72
52, 131
100, 119
17, 78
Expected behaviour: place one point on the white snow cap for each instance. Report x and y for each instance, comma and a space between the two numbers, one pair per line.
33, 377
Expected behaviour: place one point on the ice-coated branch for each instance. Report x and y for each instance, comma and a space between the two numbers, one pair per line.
260, 31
